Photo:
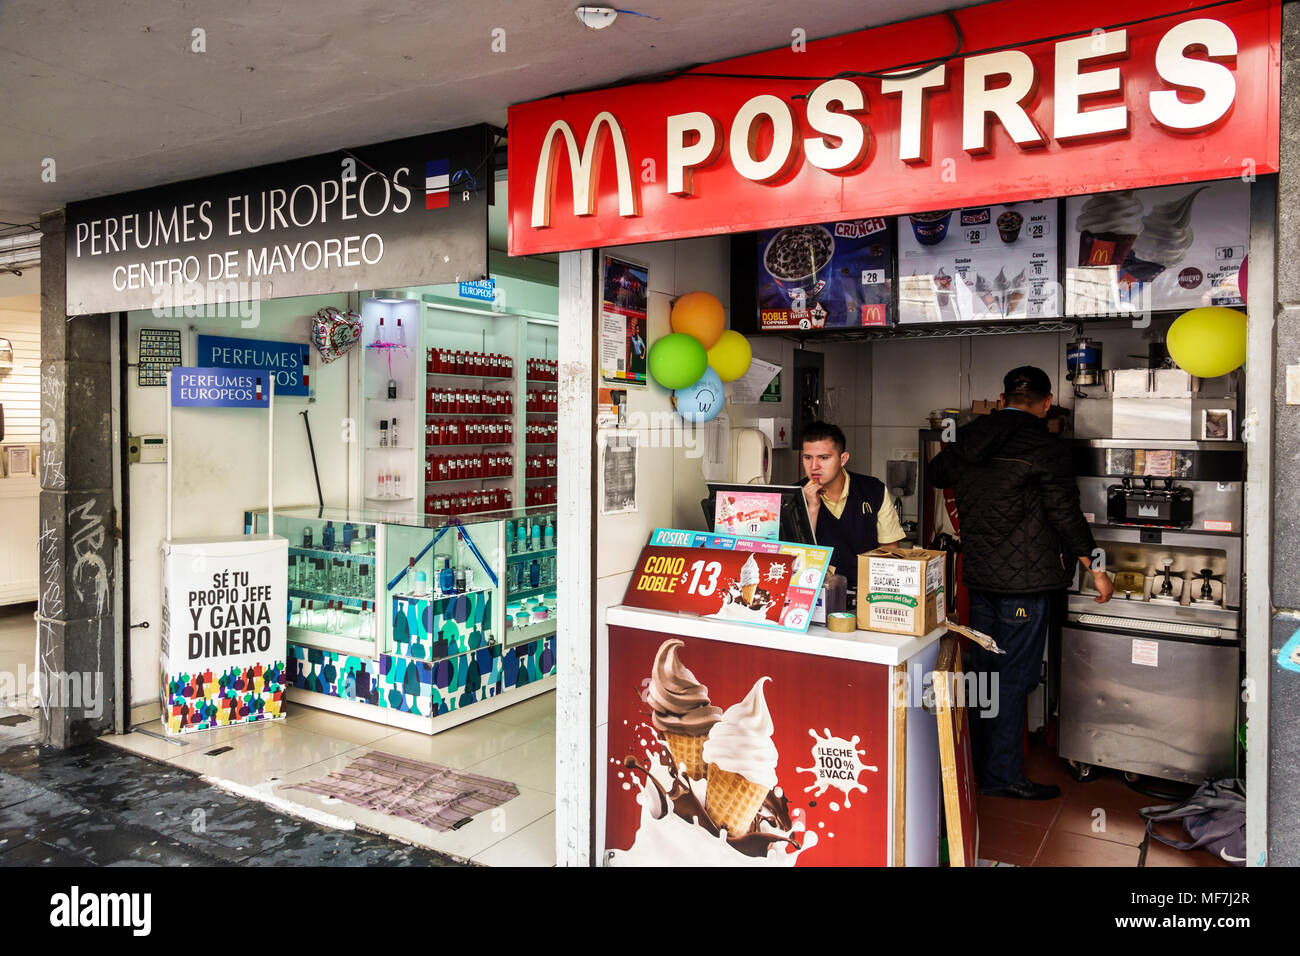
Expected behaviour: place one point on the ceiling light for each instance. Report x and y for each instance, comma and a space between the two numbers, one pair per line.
596, 18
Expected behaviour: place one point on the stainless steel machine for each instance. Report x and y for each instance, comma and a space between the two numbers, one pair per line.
1150, 681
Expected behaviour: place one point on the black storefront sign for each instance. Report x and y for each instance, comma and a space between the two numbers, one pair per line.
407, 212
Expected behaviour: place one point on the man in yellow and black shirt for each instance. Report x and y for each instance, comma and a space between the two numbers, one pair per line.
850, 512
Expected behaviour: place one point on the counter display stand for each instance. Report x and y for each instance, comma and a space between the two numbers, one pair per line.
856, 744
421, 622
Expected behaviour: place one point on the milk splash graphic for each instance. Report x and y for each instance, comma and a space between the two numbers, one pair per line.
836, 764
664, 838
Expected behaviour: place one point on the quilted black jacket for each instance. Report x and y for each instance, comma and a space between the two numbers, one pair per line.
1018, 504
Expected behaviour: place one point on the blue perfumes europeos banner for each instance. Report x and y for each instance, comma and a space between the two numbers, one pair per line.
219, 387
484, 290
290, 361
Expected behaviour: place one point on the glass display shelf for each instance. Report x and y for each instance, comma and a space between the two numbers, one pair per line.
485, 378
450, 481
530, 632
469, 444
541, 477
307, 594
471, 414
515, 557
512, 594
322, 553
548, 414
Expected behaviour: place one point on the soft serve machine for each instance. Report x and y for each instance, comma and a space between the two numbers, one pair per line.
1149, 681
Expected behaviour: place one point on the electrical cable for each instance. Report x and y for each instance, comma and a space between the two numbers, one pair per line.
914, 68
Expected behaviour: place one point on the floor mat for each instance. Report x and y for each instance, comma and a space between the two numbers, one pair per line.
430, 794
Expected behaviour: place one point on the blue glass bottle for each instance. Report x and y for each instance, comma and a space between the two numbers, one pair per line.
447, 578
534, 574
348, 534
327, 536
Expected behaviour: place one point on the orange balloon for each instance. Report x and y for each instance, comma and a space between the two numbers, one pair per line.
700, 315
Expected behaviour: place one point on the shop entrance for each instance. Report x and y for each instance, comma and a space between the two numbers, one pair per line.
414, 481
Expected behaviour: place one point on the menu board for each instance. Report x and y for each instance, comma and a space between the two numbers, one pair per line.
754, 581
1165, 248
830, 276
979, 264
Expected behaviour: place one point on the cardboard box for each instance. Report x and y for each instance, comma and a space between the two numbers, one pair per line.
982, 407
902, 592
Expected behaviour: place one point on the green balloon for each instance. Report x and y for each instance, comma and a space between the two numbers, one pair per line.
677, 360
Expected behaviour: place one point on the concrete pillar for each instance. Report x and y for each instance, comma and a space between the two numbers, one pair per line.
1284, 684
75, 623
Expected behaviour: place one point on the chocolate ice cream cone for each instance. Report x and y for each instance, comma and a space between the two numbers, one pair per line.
686, 753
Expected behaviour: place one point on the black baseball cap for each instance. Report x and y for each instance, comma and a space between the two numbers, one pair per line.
1027, 380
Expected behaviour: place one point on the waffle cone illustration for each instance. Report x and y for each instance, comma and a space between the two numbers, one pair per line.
748, 580
687, 751
681, 711
733, 801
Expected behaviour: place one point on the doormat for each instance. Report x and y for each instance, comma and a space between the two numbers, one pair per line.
429, 794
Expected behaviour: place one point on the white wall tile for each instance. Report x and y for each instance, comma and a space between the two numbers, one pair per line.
912, 376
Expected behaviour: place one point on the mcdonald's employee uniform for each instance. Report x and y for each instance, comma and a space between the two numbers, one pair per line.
861, 519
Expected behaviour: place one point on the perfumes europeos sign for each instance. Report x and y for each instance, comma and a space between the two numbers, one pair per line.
402, 213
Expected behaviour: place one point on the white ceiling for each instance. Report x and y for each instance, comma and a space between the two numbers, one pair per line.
113, 94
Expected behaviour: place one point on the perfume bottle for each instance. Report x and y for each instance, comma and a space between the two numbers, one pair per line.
293, 571
392, 382
381, 334
349, 534
535, 538
306, 537
521, 540
392, 433
363, 580
534, 574
447, 578
383, 433
327, 536
400, 338
548, 536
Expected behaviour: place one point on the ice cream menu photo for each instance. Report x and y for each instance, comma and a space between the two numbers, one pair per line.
731, 755
831, 276
979, 264
1165, 248
750, 580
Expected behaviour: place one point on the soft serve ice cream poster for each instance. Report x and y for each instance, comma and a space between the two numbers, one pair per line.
730, 755
747, 580
1170, 247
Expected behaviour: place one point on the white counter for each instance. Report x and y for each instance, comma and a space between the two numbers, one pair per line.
870, 647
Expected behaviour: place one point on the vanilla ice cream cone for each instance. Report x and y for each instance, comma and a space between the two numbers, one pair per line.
733, 801
687, 751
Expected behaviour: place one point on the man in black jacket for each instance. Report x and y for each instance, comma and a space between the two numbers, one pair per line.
1021, 531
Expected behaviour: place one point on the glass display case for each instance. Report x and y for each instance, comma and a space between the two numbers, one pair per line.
418, 621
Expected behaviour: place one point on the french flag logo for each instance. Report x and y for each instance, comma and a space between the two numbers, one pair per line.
437, 184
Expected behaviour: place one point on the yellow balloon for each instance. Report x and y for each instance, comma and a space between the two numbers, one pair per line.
1208, 342
730, 358
699, 314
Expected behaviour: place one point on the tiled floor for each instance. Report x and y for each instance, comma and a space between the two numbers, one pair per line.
17, 652
515, 744
1091, 824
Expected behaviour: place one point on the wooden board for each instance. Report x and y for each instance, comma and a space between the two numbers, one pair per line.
956, 761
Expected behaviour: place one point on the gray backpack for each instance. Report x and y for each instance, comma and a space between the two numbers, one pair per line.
1214, 817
